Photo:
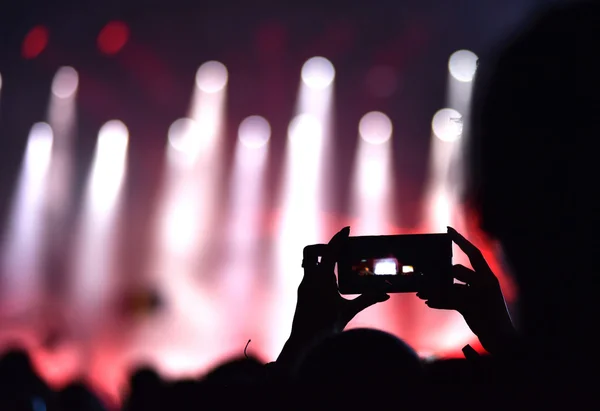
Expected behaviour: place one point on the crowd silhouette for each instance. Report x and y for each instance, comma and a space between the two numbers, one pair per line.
532, 182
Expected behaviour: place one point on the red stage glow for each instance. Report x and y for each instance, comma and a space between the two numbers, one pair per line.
107, 354
113, 37
35, 42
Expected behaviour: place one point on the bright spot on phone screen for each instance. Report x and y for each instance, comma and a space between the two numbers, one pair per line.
386, 267
408, 269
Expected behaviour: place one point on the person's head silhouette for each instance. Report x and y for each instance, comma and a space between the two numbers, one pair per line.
532, 166
358, 356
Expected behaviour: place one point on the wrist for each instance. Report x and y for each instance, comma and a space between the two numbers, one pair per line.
291, 351
296, 346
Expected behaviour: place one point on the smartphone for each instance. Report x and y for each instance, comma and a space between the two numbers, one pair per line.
392, 264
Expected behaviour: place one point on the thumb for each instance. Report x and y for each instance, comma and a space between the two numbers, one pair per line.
363, 301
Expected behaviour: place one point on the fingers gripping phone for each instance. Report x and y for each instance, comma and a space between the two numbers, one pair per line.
392, 264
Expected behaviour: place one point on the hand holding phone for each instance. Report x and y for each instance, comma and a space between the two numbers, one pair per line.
479, 299
320, 309
392, 264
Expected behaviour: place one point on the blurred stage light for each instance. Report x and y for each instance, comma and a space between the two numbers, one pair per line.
318, 73
95, 260
39, 149
254, 132
447, 125
188, 227
180, 230
0, 82
442, 209
211, 77
113, 37
382, 81
447, 156
245, 208
183, 135
375, 127
23, 243
112, 139
372, 198
372, 183
305, 129
109, 165
194, 156
35, 42
60, 183
65, 82
463, 65
305, 186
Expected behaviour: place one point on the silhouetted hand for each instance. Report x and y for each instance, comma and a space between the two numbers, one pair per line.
320, 309
479, 300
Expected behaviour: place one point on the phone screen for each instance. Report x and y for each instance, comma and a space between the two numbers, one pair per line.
396, 264
382, 266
